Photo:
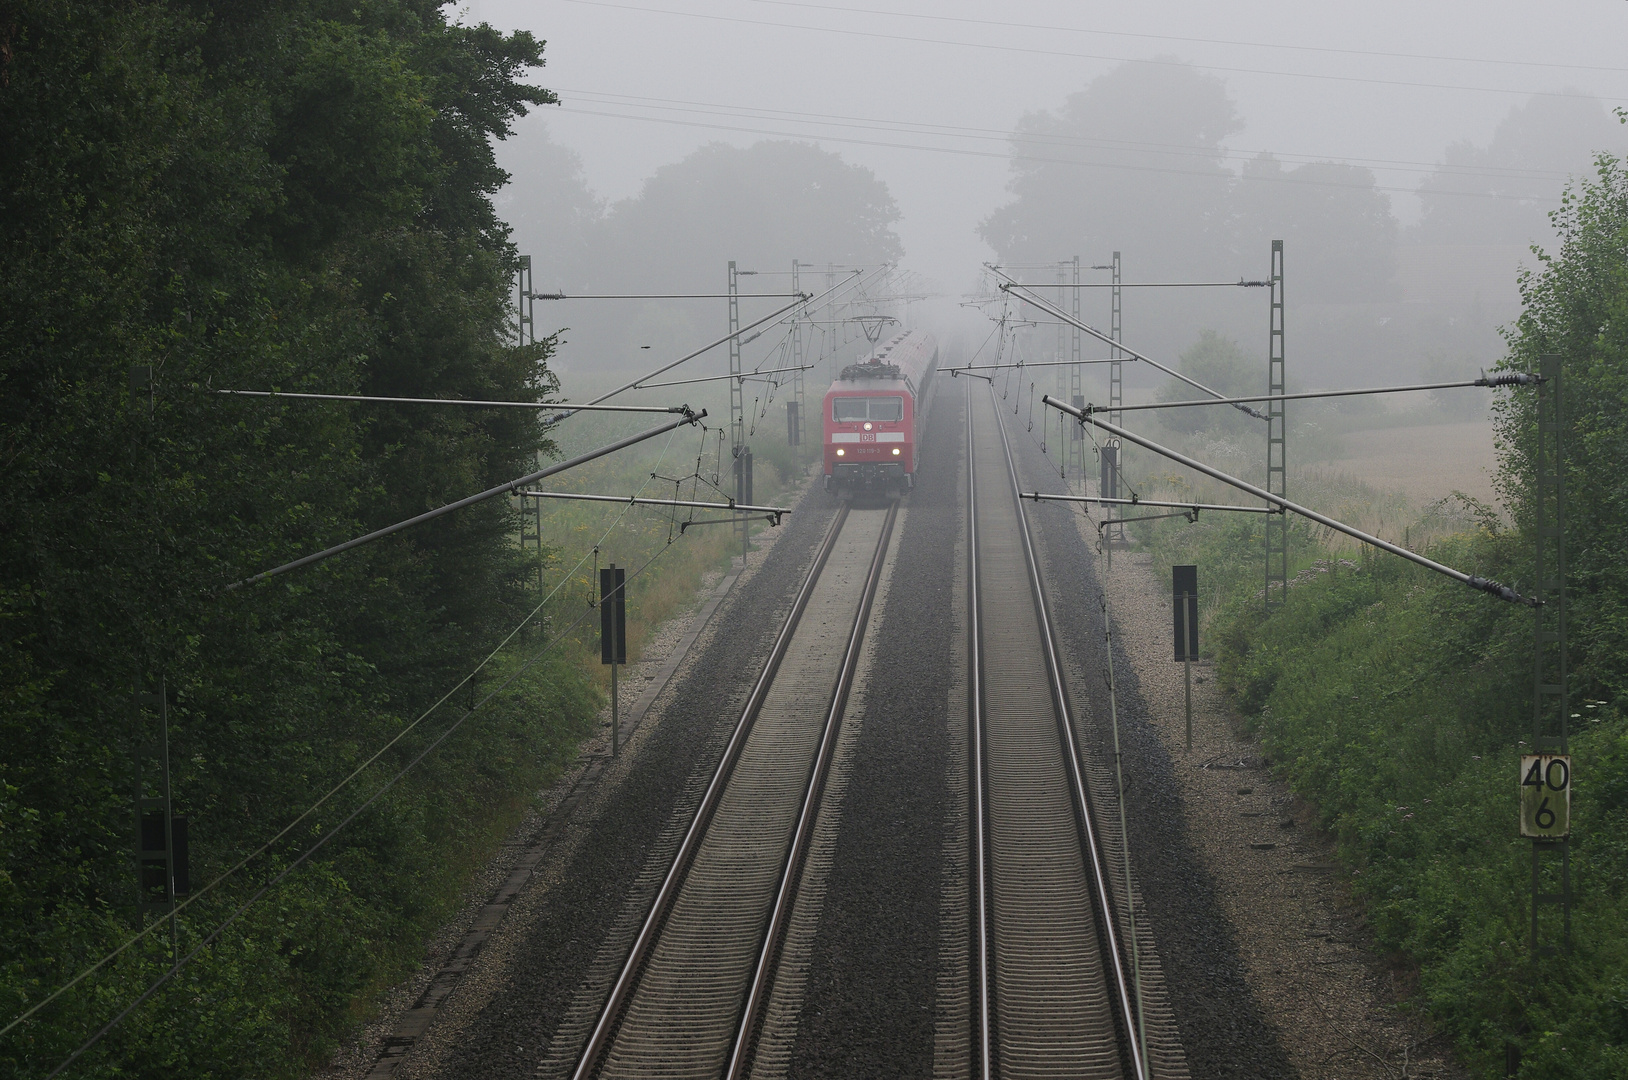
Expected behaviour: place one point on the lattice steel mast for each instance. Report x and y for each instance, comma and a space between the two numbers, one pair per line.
1277, 527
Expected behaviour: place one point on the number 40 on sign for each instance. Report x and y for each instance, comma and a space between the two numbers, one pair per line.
1546, 795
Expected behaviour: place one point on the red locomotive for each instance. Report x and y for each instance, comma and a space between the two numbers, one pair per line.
873, 416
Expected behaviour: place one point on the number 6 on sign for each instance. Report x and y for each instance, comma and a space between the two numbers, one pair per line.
1545, 795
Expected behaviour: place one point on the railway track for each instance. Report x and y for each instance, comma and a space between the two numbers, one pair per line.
1052, 993
691, 993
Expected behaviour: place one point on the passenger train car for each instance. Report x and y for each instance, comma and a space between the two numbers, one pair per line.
873, 417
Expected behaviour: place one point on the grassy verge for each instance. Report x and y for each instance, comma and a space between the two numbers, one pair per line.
1397, 702
689, 465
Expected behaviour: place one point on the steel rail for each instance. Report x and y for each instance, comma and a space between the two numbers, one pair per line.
1474, 581
659, 908
1091, 841
975, 754
762, 974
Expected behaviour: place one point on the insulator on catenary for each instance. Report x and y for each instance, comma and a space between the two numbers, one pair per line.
1503, 592
1508, 378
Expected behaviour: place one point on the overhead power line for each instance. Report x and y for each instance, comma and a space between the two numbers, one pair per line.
638, 383
1066, 54
749, 376
1015, 156
1189, 40
1239, 284
1513, 379
1041, 138
1040, 496
666, 296
633, 500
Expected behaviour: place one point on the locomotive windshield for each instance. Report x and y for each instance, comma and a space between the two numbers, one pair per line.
845, 409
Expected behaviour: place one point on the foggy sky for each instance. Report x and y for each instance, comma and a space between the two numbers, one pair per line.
735, 59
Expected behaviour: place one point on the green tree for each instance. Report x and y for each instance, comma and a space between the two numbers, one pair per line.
1576, 305
1497, 194
286, 193
1332, 217
554, 213
1133, 161
1221, 364
761, 205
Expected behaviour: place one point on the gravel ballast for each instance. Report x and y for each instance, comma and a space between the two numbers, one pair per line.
1223, 1027
868, 1002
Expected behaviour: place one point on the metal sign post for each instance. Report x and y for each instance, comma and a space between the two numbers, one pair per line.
737, 404
613, 637
1184, 602
1545, 777
161, 836
743, 496
1076, 388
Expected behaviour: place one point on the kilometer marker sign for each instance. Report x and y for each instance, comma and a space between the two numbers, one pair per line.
1546, 796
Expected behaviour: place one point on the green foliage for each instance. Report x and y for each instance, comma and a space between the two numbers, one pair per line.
1396, 701
296, 195
1126, 187
1577, 306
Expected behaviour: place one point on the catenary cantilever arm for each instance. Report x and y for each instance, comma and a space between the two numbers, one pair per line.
1011, 285
501, 489
1503, 592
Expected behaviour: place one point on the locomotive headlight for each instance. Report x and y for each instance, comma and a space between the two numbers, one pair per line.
841, 452
867, 425
895, 451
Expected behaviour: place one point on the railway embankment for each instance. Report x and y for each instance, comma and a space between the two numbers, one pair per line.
1386, 711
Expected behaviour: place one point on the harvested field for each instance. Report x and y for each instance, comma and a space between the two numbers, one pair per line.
1425, 463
